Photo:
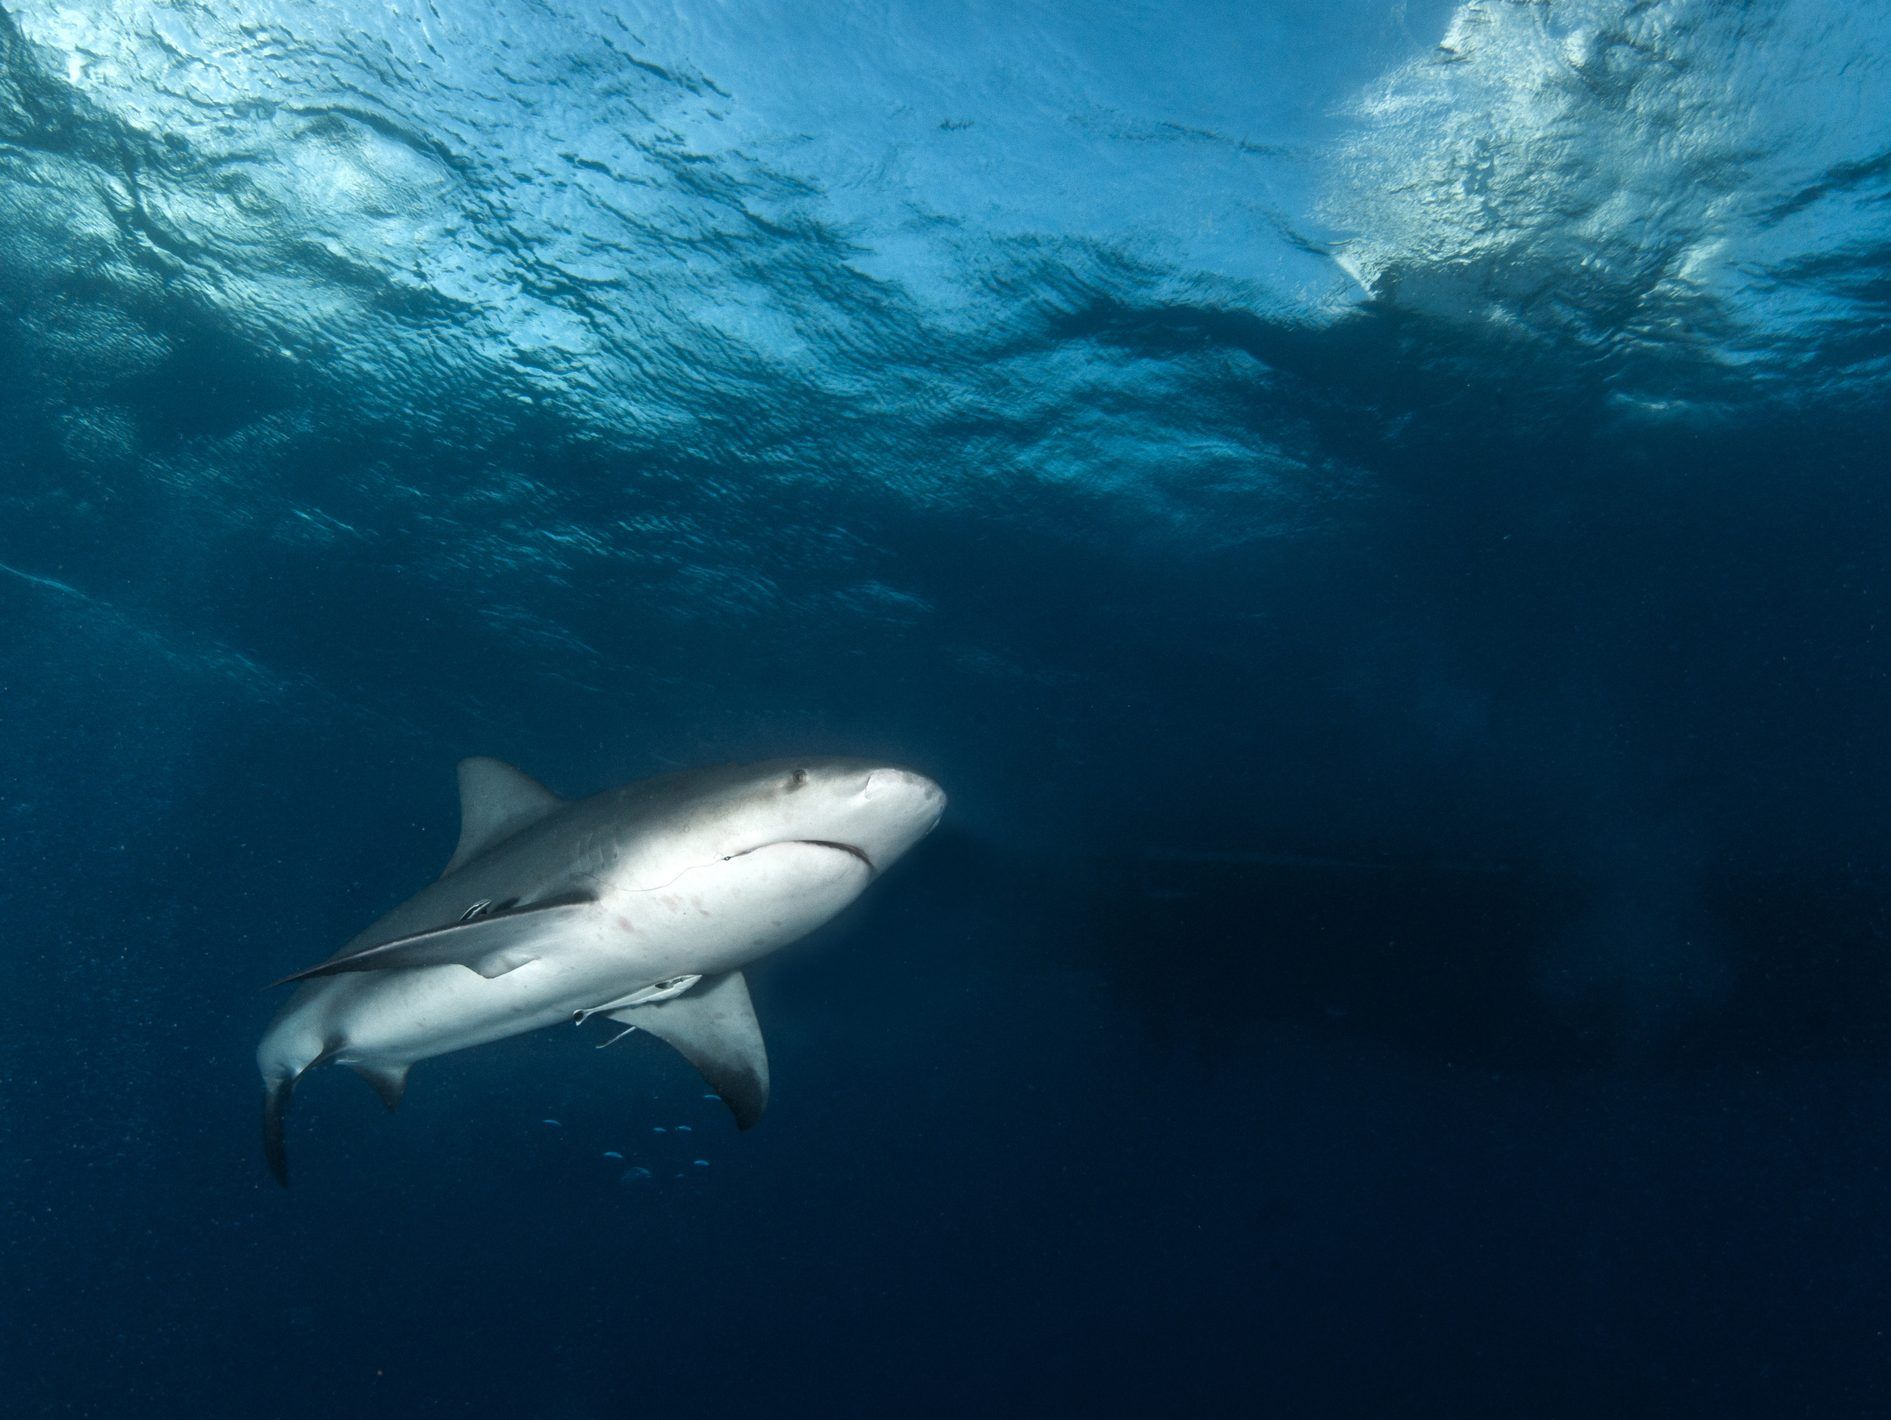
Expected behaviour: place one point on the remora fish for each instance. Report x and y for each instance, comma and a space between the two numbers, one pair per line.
642, 904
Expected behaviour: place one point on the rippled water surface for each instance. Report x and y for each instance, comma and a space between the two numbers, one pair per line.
1374, 511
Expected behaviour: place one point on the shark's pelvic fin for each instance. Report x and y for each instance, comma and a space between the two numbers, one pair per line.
389, 1081
496, 801
491, 945
713, 1026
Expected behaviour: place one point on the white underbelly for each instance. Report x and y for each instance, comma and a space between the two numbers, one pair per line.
397, 1017
715, 921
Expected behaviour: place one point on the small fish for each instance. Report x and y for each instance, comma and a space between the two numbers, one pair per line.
658, 1129
552, 1122
613, 1154
683, 1129
702, 1163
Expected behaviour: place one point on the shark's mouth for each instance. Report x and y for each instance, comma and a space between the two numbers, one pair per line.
847, 848
851, 850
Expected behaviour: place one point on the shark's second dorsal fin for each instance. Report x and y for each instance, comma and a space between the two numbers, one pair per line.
713, 1026
496, 801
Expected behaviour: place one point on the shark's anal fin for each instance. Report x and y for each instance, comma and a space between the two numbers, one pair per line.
276, 1097
496, 801
389, 1081
713, 1026
491, 945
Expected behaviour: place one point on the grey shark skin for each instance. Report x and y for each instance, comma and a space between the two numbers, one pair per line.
642, 904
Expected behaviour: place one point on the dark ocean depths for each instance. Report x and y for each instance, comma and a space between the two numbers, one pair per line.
1375, 512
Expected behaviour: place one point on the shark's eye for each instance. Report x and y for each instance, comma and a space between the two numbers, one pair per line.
797, 779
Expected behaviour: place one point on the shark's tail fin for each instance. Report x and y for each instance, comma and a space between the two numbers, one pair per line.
276, 1096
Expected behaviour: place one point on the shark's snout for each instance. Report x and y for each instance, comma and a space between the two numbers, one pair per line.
891, 810
882, 783
912, 799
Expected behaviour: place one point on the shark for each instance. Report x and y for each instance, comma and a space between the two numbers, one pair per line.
642, 904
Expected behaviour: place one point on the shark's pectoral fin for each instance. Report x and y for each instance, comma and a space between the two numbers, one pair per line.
713, 1026
492, 945
389, 1081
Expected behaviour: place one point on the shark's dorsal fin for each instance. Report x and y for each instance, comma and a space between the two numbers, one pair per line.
496, 801
713, 1026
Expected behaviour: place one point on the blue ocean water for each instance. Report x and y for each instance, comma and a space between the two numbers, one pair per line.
1374, 511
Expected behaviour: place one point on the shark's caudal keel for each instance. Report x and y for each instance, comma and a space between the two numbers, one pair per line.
642, 904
